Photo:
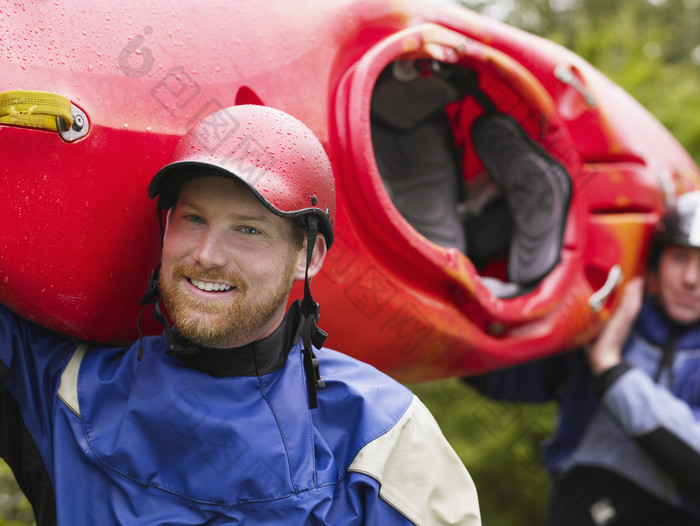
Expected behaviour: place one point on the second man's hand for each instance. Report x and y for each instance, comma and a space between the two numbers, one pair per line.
606, 351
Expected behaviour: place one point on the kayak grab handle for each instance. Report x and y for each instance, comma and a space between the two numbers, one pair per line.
43, 110
565, 74
599, 297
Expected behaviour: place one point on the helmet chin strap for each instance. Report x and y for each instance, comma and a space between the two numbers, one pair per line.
152, 296
311, 335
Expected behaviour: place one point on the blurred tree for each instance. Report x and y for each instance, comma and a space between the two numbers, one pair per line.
499, 444
651, 48
14, 508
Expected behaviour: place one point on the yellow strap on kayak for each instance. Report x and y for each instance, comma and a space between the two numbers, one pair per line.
34, 109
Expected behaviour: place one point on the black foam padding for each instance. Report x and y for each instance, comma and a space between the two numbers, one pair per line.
421, 171
537, 189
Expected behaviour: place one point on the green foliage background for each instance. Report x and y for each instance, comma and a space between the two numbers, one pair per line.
651, 48
500, 444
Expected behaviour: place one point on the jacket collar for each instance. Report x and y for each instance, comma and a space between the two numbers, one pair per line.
253, 359
655, 326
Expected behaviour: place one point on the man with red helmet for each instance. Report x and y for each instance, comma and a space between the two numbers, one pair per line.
626, 450
236, 414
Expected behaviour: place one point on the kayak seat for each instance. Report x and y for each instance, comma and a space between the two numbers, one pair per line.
515, 211
417, 157
537, 190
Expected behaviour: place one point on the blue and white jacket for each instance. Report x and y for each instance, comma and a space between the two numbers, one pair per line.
222, 438
640, 420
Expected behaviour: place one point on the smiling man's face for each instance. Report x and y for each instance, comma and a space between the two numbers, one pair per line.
679, 283
228, 264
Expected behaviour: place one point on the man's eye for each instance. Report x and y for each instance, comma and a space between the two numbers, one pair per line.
250, 230
193, 218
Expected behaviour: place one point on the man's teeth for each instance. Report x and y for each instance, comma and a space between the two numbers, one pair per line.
208, 286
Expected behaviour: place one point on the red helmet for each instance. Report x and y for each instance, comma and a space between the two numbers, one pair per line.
274, 154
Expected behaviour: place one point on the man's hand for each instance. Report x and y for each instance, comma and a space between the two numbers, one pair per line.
607, 349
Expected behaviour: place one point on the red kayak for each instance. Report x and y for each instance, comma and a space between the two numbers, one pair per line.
493, 189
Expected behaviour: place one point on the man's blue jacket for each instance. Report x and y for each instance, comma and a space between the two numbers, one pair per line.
223, 437
639, 420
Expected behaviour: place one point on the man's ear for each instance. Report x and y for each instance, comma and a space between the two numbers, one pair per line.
316, 259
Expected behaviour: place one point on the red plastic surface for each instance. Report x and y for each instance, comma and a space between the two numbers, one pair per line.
79, 236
